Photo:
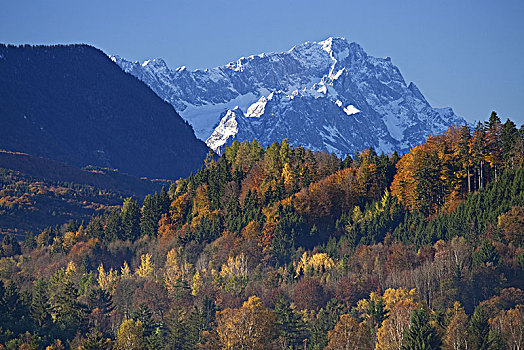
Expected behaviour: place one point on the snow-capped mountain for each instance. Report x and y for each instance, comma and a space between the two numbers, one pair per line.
327, 95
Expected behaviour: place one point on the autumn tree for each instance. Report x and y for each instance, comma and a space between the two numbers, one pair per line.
510, 324
252, 326
349, 334
130, 335
456, 337
400, 303
146, 268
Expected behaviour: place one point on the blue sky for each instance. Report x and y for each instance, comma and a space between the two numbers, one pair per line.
465, 54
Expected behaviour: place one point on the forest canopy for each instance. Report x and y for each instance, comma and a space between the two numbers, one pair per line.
282, 248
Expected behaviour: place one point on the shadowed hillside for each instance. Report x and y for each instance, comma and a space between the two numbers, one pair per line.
38, 192
73, 104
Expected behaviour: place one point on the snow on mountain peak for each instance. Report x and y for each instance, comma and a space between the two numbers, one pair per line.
305, 94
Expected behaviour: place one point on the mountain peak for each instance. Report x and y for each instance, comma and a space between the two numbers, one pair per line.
327, 95
334, 44
157, 62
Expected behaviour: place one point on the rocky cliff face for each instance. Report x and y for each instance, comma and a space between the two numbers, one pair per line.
327, 95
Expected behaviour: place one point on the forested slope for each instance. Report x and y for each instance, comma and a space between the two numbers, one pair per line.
36, 192
71, 103
284, 248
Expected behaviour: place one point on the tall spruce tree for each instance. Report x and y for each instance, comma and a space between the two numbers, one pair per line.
40, 305
478, 330
291, 328
150, 216
130, 219
420, 334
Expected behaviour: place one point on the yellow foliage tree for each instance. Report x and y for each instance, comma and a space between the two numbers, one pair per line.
57, 345
400, 303
250, 327
71, 268
146, 268
511, 326
196, 283
348, 334
288, 176
125, 271
317, 264
456, 337
235, 267
130, 336
393, 296
69, 240
174, 271
106, 280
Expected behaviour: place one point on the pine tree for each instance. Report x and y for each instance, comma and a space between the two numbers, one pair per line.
291, 328
326, 320
478, 330
177, 330
14, 310
233, 218
149, 218
420, 334
508, 136
477, 149
144, 315
486, 255
195, 327
113, 228
156, 340
163, 201
96, 341
463, 152
494, 143
29, 241
101, 299
40, 305
69, 314
130, 219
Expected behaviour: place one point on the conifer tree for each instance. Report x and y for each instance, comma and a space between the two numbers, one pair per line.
130, 219
144, 315
149, 218
420, 334
40, 305
477, 149
96, 341
486, 255
113, 229
163, 201
478, 330
463, 152
291, 328
177, 330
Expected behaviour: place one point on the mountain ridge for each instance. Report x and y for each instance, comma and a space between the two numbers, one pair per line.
71, 103
332, 89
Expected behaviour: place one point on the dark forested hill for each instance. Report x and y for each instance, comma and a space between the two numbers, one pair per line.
36, 192
73, 104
